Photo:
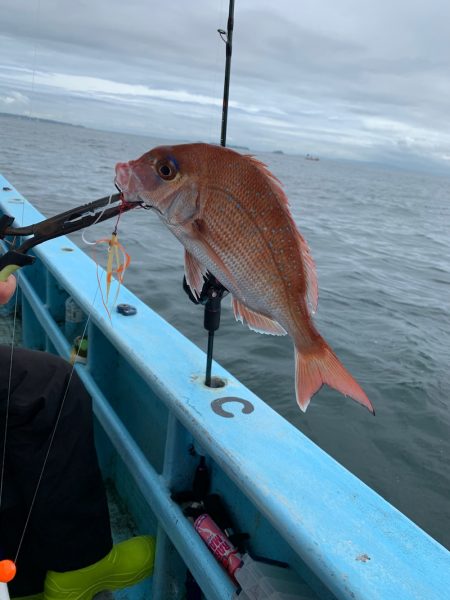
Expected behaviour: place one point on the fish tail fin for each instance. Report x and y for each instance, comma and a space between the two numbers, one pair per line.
319, 365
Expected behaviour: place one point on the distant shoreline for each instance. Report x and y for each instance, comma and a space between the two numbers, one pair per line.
41, 120
388, 165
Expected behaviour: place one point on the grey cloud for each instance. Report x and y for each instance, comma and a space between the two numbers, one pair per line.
350, 79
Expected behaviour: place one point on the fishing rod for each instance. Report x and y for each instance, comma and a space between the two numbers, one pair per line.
226, 86
213, 291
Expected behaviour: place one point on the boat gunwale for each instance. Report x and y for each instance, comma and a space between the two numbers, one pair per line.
326, 514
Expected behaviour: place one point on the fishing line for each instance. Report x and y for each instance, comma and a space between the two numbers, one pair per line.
13, 336
8, 398
33, 77
60, 410
115, 249
73, 361
52, 437
13, 339
44, 464
215, 84
87, 242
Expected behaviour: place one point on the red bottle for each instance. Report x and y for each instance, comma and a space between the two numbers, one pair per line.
218, 543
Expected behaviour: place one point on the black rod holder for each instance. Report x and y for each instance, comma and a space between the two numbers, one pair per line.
209, 357
215, 292
211, 297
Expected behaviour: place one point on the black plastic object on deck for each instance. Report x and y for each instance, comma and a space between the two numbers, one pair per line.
126, 309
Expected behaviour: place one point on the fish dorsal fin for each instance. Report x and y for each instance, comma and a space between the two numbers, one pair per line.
312, 291
256, 321
312, 288
275, 183
194, 272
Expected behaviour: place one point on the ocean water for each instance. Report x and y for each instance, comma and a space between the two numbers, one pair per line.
381, 242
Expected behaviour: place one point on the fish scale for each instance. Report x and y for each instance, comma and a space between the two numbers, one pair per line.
233, 218
244, 219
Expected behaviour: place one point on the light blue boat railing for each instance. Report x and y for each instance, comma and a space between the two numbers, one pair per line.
155, 416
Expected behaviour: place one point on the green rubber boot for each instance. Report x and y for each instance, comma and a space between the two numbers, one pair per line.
128, 563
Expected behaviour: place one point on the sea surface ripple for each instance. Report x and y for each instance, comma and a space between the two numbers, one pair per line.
381, 242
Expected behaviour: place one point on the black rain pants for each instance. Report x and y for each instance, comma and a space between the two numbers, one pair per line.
69, 524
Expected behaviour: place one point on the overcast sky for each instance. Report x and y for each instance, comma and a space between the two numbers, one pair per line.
357, 79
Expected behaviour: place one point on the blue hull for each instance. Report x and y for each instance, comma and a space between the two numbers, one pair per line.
298, 504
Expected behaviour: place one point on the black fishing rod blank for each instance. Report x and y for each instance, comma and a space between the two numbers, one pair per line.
213, 291
217, 291
226, 86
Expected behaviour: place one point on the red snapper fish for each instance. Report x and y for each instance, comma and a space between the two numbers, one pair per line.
233, 219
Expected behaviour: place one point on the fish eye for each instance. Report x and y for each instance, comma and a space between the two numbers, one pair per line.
166, 170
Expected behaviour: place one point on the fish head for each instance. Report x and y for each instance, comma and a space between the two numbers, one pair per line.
162, 179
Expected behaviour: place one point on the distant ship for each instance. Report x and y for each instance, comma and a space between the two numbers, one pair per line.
310, 157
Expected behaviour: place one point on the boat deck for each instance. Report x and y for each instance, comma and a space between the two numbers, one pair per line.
122, 526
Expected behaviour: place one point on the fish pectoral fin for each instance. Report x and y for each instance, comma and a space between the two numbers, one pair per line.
255, 320
194, 272
199, 234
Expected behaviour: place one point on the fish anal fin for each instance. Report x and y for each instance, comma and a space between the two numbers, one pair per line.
256, 321
194, 272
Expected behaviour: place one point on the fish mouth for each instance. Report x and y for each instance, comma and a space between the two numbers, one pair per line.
127, 183
130, 186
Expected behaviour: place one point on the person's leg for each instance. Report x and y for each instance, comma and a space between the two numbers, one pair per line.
69, 523
68, 538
